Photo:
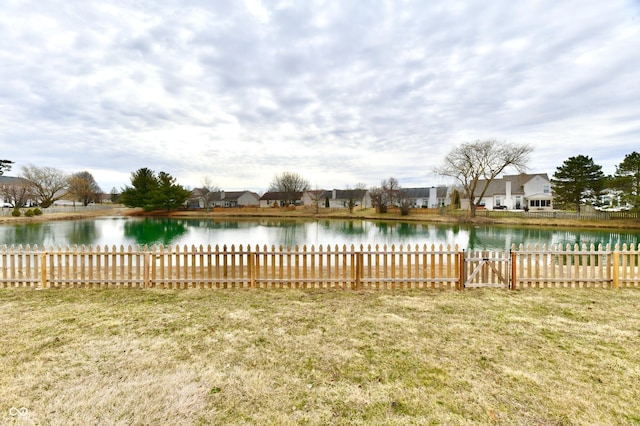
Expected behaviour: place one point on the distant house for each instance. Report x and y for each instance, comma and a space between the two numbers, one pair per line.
516, 192
337, 198
224, 199
14, 189
279, 199
433, 197
312, 196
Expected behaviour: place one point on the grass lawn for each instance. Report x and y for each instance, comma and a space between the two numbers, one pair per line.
278, 357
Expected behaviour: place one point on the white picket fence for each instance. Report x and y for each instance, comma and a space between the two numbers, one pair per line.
370, 267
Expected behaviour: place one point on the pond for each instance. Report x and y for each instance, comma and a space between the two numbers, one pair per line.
153, 231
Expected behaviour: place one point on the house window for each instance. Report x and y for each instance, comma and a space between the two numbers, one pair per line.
546, 189
498, 201
540, 203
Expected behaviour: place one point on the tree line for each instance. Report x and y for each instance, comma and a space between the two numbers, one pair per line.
473, 165
579, 180
43, 186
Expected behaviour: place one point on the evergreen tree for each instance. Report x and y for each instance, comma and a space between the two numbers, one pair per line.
577, 179
627, 179
5, 166
169, 195
139, 194
153, 192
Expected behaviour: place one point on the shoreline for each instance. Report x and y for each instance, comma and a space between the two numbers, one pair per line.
418, 216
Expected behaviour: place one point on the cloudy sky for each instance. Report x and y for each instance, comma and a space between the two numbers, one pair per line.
339, 91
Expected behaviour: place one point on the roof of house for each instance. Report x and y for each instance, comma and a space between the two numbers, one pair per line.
222, 195
276, 196
346, 194
231, 195
441, 192
499, 186
11, 180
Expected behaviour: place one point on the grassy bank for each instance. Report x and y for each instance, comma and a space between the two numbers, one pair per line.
416, 215
320, 357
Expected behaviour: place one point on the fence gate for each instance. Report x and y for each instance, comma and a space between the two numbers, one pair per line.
487, 269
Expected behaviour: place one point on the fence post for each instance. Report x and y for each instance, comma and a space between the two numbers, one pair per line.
359, 261
252, 267
461, 272
513, 269
616, 268
147, 269
43, 269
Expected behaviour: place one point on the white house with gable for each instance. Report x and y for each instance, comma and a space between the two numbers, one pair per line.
516, 192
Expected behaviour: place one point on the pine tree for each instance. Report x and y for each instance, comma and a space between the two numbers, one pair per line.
577, 179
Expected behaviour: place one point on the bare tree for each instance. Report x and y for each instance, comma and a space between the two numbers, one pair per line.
48, 183
17, 192
315, 196
207, 192
84, 188
362, 188
476, 164
404, 203
392, 190
387, 194
290, 184
378, 199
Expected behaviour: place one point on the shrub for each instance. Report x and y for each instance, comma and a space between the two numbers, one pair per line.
37, 211
16, 212
28, 213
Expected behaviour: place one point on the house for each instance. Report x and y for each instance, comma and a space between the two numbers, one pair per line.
432, 198
516, 192
16, 190
280, 199
224, 199
337, 198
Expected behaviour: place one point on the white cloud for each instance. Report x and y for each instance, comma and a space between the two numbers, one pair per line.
339, 91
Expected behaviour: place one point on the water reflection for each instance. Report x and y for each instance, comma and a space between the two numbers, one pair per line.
76, 232
151, 231
138, 231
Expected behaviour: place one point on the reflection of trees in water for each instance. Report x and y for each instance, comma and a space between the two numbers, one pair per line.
83, 232
401, 229
383, 228
349, 227
291, 233
215, 224
441, 232
588, 238
155, 231
406, 229
80, 232
32, 234
501, 238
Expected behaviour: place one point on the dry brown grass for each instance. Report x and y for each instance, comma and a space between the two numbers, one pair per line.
546, 357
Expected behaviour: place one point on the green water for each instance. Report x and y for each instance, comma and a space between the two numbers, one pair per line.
118, 231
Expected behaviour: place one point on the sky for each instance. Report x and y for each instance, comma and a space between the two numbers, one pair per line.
341, 92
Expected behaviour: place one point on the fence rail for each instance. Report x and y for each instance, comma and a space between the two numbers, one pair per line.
555, 214
370, 267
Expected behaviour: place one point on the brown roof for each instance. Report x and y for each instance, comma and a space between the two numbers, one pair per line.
498, 186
